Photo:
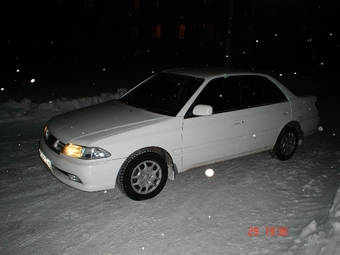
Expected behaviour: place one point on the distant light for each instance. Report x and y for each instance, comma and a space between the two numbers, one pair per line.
104, 69
227, 56
330, 34
209, 172
2, 89
257, 41
18, 70
280, 74
295, 72
32, 80
275, 34
321, 64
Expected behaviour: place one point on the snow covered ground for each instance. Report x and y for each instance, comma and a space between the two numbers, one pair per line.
251, 205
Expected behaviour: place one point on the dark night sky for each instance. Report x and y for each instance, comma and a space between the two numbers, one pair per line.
65, 46
301, 34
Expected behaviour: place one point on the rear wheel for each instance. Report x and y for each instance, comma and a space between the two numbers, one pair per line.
287, 143
143, 175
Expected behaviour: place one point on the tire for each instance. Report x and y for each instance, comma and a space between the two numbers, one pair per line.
287, 143
143, 175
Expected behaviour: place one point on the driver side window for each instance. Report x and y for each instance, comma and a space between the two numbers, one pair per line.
223, 94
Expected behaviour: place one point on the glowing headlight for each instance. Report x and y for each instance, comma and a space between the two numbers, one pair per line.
82, 152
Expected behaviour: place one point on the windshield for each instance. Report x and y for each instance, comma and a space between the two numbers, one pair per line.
163, 93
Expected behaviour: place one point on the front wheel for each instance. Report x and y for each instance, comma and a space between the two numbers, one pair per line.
287, 143
143, 175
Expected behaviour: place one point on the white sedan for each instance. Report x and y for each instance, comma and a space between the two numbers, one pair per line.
174, 121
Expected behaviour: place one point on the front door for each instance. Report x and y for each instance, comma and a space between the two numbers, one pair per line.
220, 135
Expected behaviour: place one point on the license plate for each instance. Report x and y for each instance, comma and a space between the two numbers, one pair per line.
46, 160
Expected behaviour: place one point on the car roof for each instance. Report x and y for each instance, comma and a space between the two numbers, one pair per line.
210, 72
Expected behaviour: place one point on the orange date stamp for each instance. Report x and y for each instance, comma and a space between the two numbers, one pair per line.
270, 231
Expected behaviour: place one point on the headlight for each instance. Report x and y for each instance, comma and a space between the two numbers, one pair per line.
46, 133
82, 152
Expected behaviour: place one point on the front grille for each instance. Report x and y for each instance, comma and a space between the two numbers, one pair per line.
53, 143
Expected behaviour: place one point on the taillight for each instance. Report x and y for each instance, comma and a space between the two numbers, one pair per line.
317, 105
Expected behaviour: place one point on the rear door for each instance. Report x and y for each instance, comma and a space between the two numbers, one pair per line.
220, 135
268, 110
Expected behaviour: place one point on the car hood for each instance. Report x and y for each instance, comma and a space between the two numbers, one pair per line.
85, 125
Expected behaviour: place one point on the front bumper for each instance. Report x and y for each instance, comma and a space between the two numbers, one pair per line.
94, 175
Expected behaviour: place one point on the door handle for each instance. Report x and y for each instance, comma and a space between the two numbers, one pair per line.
238, 122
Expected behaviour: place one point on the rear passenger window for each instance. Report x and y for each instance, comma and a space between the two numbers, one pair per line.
258, 90
278, 95
223, 94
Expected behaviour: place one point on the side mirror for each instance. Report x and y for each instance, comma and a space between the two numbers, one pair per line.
202, 110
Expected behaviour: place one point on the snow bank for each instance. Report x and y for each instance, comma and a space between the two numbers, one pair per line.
26, 110
322, 240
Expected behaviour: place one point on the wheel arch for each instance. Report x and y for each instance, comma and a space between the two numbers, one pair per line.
172, 169
295, 124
